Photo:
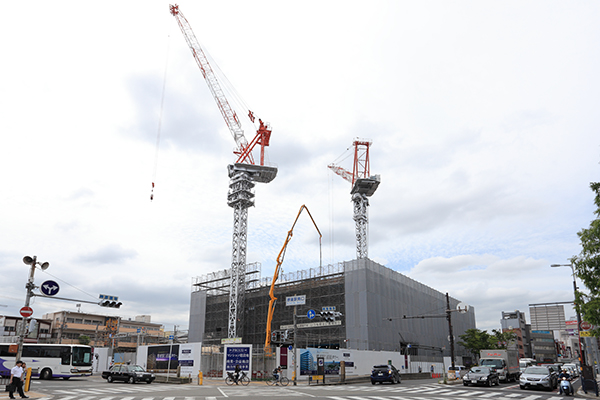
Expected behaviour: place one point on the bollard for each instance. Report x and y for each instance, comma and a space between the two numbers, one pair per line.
200, 378
27, 380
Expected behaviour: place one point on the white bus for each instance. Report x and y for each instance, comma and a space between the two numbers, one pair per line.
49, 360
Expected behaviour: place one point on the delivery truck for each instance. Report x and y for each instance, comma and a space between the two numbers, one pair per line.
506, 363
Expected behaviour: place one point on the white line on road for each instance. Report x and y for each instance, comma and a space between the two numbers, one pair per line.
222, 392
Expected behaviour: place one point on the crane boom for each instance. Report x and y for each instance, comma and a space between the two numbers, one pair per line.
276, 274
227, 112
243, 148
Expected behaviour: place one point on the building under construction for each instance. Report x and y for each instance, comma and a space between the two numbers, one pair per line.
378, 307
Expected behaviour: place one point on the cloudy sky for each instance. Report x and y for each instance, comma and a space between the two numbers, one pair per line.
483, 116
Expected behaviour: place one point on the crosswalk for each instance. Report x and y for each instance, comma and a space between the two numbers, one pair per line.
346, 392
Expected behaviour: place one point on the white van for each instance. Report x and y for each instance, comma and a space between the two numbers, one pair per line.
459, 370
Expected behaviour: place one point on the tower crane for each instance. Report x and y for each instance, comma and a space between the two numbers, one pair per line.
363, 187
280, 257
243, 173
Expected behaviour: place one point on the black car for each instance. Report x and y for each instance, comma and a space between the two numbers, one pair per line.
385, 373
482, 376
127, 373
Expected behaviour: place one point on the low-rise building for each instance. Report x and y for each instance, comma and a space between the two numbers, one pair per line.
37, 332
103, 331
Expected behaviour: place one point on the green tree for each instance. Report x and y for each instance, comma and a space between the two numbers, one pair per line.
83, 339
503, 340
475, 340
587, 267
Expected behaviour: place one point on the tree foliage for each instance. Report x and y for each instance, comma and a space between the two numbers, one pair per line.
475, 340
83, 339
587, 267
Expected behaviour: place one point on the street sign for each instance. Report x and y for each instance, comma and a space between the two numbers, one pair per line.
26, 311
295, 300
311, 314
328, 308
290, 347
49, 288
586, 326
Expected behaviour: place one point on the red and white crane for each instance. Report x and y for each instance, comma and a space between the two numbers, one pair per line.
243, 173
363, 186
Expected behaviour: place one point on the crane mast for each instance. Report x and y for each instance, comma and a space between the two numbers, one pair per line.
243, 173
363, 187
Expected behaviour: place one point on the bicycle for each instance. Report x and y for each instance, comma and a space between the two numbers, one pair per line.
274, 381
243, 379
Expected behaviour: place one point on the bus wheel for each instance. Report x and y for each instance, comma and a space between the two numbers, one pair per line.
46, 374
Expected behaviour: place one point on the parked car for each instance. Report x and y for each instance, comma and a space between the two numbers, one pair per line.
482, 376
385, 373
127, 373
538, 377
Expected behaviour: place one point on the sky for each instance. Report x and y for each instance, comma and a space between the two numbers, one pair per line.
483, 119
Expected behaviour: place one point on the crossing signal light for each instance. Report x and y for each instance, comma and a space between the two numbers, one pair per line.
111, 304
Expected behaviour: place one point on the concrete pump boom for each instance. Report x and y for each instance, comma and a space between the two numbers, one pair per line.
280, 257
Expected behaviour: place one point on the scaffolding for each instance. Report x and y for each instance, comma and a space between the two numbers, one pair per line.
323, 287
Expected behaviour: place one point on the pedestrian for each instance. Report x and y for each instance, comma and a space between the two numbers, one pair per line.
420, 370
16, 380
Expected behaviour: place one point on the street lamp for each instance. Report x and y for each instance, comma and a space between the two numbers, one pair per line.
576, 309
32, 261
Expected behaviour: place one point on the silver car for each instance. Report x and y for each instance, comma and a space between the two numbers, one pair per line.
538, 377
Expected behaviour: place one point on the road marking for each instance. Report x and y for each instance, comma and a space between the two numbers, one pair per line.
210, 398
222, 392
532, 397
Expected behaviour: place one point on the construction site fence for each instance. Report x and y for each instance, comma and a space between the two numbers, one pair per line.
262, 365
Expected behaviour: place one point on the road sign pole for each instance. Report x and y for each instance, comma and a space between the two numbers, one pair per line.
294, 348
30, 286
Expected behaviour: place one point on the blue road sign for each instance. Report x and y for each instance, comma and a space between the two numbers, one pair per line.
290, 347
311, 314
49, 288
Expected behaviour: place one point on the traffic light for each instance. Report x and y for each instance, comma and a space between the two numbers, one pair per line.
276, 337
288, 335
328, 316
109, 303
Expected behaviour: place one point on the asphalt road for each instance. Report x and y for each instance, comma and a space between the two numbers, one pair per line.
95, 388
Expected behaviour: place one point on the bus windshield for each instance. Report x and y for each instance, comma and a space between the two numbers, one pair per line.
82, 356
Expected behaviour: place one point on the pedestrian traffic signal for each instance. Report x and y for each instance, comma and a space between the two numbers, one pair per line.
109, 303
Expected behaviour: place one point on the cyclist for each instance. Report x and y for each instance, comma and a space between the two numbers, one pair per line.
237, 373
276, 374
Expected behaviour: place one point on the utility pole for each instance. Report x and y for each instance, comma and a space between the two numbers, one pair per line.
449, 318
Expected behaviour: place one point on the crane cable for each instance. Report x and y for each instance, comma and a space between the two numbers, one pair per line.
162, 102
